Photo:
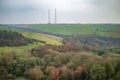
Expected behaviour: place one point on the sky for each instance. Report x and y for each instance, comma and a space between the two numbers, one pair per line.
68, 11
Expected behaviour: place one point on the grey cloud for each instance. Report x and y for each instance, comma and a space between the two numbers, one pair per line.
30, 11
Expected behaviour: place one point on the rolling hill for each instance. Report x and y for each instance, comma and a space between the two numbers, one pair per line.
111, 30
8, 38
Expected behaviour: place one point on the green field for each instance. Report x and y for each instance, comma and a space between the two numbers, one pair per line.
112, 30
38, 36
20, 49
64, 29
49, 39
43, 37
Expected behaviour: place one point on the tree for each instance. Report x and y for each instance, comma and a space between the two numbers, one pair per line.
109, 70
64, 72
34, 73
57, 61
54, 74
76, 59
78, 72
97, 72
71, 65
117, 67
48, 69
117, 76
3, 73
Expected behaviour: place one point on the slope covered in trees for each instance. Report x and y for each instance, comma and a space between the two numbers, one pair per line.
8, 38
94, 42
55, 65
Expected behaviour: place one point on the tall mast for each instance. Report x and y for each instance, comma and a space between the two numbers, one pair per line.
55, 16
49, 16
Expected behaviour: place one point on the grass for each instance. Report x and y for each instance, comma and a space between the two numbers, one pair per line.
20, 49
38, 36
43, 37
49, 39
66, 29
112, 30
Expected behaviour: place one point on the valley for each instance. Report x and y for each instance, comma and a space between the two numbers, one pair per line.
60, 52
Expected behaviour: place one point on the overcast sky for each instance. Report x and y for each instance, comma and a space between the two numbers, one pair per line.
68, 11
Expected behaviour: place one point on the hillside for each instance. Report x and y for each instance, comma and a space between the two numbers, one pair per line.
111, 30
73, 57
49, 39
99, 40
8, 38
39, 40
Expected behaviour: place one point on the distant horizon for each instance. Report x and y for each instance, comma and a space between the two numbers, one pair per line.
56, 23
67, 11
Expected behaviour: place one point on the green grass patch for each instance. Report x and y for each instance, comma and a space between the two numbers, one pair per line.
19, 49
112, 30
66, 29
43, 37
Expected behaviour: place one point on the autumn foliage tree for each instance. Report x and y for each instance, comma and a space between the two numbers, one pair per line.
64, 72
54, 74
78, 72
34, 73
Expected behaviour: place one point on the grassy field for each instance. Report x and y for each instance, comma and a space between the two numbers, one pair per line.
43, 37
38, 36
19, 49
65, 29
49, 39
112, 30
